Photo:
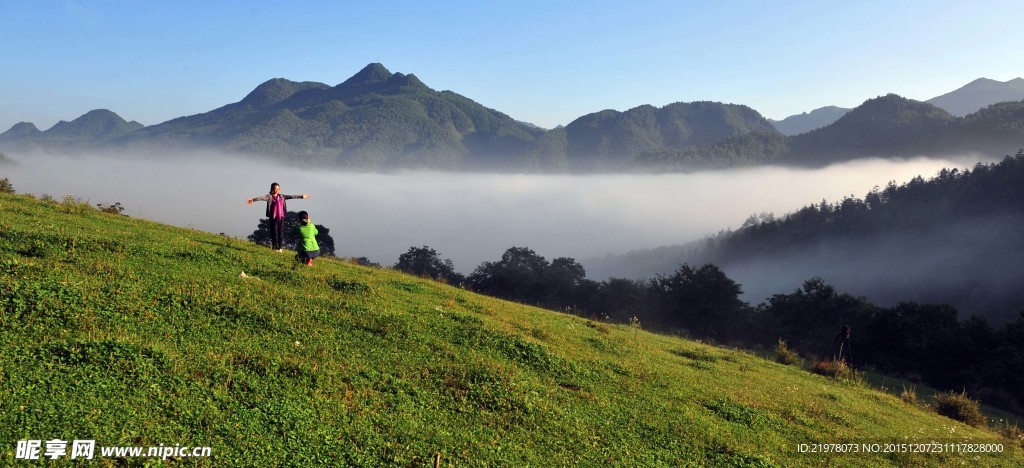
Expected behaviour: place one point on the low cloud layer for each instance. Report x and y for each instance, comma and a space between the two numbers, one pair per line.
469, 218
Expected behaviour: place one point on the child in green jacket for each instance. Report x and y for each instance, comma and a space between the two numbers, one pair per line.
307, 248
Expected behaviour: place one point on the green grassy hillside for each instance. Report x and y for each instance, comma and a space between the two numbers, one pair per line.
135, 333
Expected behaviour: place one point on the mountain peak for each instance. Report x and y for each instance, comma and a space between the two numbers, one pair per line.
101, 114
95, 118
888, 102
22, 129
978, 94
95, 125
807, 121
894, 106
372, 73
276, 90
407, 80
980, 82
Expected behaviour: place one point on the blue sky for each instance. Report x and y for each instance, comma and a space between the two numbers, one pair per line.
545, 62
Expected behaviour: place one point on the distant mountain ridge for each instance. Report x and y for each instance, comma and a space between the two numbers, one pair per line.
21, 130
95, 126
611, 139
979, 94
375, 119
884, 127
965, 100
807, 121
889, 125
379, 120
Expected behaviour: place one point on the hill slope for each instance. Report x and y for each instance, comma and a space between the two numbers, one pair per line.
134, 333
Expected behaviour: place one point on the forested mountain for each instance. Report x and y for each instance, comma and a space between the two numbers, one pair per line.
744, 150
893, 126
885, 126
979, 94
996, 129
375, 119
807, 121
95, 126
381, 120
610, 139
956, 238
967, 99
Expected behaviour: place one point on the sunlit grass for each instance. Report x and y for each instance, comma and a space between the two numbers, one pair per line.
134, 333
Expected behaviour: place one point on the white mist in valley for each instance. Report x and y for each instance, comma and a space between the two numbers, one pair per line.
467, 217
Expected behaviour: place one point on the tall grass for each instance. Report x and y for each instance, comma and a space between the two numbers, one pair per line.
960, 407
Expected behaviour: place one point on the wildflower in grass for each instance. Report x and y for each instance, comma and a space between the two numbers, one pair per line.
784, 355
909, 396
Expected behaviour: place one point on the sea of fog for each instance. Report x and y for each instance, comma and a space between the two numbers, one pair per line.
467, 217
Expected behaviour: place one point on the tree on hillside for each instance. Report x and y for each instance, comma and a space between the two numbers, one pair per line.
261, 235
809, 317
703, 300
620, 300
516, 276
1011, 356
913, 338
566, 283
522, 275
425, 261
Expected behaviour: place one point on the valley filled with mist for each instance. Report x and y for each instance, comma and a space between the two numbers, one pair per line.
468, 217
616, 226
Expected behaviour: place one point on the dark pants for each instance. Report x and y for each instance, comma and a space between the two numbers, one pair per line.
277, 233
304, 255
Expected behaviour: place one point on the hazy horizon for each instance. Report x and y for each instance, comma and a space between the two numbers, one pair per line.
467, 217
